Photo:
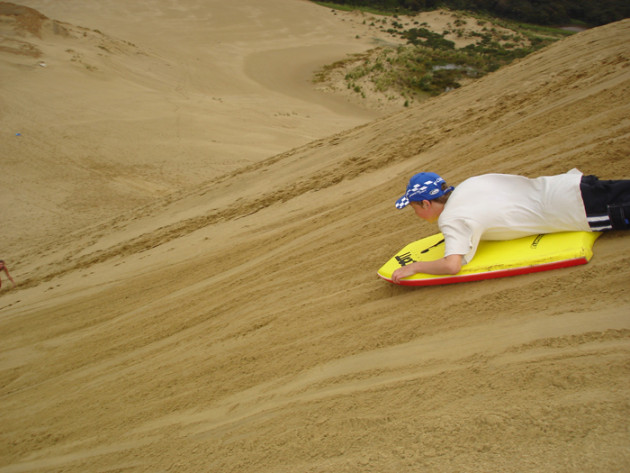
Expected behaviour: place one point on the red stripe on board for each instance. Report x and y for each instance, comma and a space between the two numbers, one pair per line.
491, 274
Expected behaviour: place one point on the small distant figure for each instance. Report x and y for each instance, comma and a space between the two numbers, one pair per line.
3, 266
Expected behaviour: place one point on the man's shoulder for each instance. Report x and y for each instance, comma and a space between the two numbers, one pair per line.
483, 179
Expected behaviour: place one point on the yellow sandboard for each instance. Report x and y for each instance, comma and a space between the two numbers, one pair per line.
497, 259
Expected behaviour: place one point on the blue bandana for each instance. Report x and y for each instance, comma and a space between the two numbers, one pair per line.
423, 186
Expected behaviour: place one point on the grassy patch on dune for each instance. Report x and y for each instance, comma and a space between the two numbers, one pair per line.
364, 9
429, 63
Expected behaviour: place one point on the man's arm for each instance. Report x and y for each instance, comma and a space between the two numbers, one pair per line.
450, 264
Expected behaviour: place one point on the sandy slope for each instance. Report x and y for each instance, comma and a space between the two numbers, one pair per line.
238, 324
129, 101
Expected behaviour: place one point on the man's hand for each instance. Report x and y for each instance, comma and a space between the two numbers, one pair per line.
401, 273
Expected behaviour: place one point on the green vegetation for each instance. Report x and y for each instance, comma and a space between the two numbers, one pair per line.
366, 8
430, 64
589, 12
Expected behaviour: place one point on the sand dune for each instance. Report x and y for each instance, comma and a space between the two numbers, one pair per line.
126, 102
230, 319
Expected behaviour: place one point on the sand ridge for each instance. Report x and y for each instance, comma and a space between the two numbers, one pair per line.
238, 324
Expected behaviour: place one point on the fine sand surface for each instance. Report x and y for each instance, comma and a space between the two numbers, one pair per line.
195, 232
